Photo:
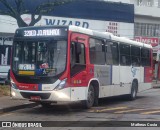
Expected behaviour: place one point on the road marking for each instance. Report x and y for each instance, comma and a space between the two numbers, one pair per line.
132, 110
107, 109
150, 112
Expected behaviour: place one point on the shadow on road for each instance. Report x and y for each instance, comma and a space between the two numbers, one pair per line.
77, 107
117, 100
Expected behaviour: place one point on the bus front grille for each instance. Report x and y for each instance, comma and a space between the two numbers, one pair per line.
29, 95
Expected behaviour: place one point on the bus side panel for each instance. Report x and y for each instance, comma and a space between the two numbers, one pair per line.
115, 80
104, 75
148, 71
115, 75
146, 79
125, 80
147, 74
141, 74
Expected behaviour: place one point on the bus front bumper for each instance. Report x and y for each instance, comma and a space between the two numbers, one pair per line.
64, 95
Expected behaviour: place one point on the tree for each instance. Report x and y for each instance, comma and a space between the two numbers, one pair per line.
16, 8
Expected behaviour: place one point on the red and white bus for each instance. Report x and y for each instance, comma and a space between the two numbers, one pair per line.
70, 63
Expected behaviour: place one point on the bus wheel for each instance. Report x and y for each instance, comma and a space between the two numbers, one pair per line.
45, 104
90, 98
133, 94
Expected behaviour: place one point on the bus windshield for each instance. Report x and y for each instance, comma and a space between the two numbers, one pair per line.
39, 58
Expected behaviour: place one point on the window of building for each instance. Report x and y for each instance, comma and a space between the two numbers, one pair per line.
125, 55
147, 29
97, 51
143, 29
137, 29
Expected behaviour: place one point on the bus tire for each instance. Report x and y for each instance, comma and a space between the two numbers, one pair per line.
134, 90
90, 98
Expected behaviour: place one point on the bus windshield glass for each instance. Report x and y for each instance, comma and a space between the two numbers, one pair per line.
39, 58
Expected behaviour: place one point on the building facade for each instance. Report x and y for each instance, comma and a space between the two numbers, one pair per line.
117, 18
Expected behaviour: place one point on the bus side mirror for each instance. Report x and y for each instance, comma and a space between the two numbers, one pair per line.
78, 48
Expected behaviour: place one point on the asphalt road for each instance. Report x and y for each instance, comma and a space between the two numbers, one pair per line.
145, 108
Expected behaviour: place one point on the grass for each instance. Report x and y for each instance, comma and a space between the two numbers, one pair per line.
4, 90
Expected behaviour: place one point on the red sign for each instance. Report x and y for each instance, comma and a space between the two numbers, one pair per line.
148, 40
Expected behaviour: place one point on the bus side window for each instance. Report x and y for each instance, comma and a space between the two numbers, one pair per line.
125, 55
112, 53
145, 57
97, 51
135, 56
77, 53
109, 59
77, 57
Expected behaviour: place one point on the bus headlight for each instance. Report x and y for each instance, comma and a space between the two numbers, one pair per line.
13, 94
61, 85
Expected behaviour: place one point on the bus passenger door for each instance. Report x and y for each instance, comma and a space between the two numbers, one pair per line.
78, 68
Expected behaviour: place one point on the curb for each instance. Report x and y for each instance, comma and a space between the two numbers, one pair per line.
14, 108
156, 87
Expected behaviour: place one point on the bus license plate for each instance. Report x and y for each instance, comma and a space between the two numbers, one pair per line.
35, 98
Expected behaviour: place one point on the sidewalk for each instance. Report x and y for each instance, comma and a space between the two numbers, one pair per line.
8, 104
156, 84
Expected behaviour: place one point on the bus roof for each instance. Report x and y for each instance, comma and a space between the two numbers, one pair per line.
107, 35
104, 35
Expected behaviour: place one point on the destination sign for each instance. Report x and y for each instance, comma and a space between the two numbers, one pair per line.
42, 32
